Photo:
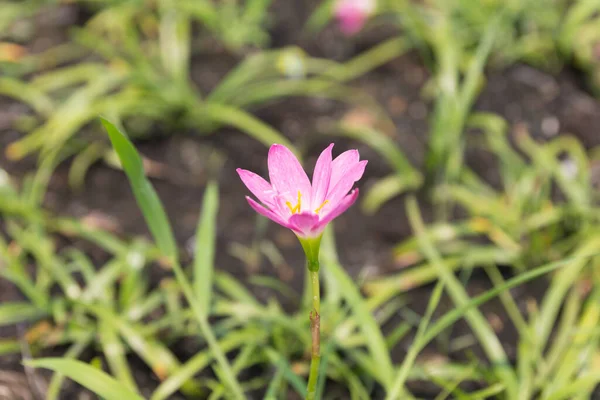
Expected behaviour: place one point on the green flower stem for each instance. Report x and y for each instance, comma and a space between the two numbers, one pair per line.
315, 328
314, 278
311, 250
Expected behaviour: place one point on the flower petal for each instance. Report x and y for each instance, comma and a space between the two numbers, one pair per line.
340, 188
321, 177
351, 18
288, 176
258, 186
304, 223
267, 213
341, 164
342, 206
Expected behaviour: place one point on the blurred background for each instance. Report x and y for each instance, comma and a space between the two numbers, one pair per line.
480, 123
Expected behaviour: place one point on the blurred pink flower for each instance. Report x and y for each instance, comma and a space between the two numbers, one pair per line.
290, 199
352, 14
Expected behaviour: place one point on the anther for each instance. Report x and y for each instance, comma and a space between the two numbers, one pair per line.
298, 206
321, 206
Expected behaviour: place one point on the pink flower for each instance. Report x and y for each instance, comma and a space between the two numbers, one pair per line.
352, 14
291, 200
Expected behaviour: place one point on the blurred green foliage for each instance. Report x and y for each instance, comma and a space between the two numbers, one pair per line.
133, 61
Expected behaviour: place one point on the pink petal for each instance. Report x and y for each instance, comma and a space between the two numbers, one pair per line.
340, 188
268, 213
352, 14
258, 186
304, 223
352, 22
288, 176
321, 177
342, 206
342, 163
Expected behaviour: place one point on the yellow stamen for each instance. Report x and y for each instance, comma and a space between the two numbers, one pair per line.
321, 206
298, 206
289, 205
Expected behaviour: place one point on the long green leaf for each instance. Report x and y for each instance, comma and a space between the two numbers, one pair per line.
480, 326
13, 312
204, 253
92, 378
413, 352
451, 317
73, 352
27, 94
246, 122
387, 149
158, 223
9, 347
144, 193
376, 343
154, 353
114, 352
201, 360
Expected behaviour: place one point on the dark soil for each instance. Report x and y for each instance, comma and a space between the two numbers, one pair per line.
548, 105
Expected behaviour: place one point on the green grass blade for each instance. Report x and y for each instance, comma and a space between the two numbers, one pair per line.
158, 223
319, 17
174, 41
232, 288
413, 352
144, 193
387, 149
92, 378
247, 123
152, 351
8, 346
562, 282
370, 59
73, 352
274, 385
13, 312
27, 94
204, 253
115, 354
376, 343
480, 326
294, 380
232, 342
583, 384
386, 189
450, 318
323, 370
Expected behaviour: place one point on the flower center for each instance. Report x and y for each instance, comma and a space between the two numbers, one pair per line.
296, 209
